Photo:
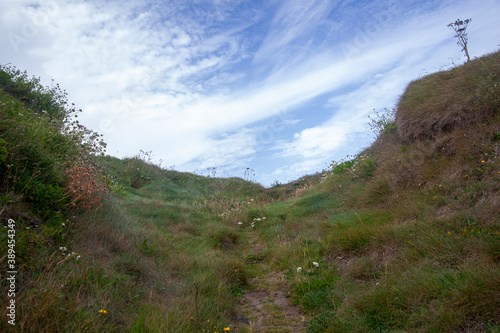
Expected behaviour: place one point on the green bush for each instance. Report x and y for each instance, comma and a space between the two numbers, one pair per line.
355, 166
342, 166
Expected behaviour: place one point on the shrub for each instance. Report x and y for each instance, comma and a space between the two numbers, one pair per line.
383, 122
39, 140
86, 186
356, 166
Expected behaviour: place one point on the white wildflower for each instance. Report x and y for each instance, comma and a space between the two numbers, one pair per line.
299, 269
315, 264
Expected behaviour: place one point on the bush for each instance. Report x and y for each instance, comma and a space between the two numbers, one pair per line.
356, 166
383, 122
46, 156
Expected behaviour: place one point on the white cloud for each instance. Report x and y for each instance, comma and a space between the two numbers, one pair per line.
294, 20
191, 81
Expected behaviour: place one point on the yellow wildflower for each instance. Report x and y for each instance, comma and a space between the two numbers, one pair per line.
103, 311
227, 328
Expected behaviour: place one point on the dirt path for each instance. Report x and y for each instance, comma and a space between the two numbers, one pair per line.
265, 307
271, 311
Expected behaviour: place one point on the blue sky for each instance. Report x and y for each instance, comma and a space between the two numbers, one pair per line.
281, 87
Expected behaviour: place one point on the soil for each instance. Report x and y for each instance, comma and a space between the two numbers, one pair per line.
266, 306
272, 312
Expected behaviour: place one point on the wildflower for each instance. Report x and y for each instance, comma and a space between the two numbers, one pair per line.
263, 217
227, 328
250, 200
103, 311
315, 264
240, 223
63, 249
78, 257
258, 219
435, 197
299, 269
466, 176
62, 224
482, 161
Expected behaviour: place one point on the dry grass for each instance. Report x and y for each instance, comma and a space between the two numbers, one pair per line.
438, 103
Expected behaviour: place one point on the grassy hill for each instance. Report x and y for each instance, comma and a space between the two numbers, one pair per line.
404, 236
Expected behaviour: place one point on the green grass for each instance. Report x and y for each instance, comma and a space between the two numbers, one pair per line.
402, 237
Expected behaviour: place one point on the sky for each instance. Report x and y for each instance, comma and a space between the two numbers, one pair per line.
281, 87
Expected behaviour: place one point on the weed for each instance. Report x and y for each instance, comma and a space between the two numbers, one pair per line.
145, 248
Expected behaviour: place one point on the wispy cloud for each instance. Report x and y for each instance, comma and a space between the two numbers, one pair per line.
288, 40
212, 82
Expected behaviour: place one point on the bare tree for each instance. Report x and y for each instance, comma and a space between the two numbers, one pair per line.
460, 28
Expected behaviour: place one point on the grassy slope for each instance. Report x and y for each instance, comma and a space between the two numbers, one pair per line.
407, 237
